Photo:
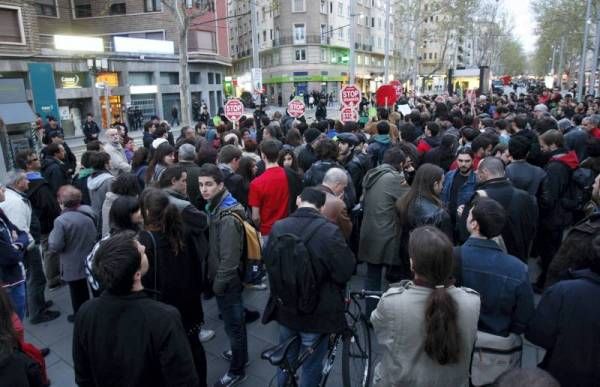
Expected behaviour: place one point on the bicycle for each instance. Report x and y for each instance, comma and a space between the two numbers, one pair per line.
355, 340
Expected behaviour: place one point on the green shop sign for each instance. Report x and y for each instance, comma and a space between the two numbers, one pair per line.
305, 78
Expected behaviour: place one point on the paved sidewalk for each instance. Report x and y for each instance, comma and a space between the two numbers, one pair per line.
57, 335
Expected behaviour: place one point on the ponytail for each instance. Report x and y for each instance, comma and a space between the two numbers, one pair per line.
442, 337
431, 253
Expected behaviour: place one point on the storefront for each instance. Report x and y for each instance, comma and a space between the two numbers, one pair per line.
302, 83
72, 105
143, 98
17, 121
109, 80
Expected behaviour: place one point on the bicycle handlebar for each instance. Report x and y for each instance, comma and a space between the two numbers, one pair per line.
367, 293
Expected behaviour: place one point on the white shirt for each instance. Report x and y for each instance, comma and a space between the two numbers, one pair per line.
17, 209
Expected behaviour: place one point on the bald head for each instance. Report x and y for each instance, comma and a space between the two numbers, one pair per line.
490, 168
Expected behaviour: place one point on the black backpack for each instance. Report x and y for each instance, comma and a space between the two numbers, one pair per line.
293, 274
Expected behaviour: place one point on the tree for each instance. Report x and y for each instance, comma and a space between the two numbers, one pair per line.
183, 12
561, 20
512, 60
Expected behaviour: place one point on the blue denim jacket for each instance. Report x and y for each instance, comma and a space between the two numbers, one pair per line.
502, 280
465, 193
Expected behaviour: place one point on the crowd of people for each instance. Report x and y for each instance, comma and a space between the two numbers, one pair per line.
444, 210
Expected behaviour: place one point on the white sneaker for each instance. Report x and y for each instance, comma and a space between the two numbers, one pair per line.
205, 335
260, 286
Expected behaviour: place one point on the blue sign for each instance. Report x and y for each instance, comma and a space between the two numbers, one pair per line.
41, 79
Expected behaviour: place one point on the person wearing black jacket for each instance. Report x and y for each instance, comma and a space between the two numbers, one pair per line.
45, 209
356, 163
565, 325
229, 162
54, 167
556, 209
521, 208
69, 160
90, 129
334, 263
148, 344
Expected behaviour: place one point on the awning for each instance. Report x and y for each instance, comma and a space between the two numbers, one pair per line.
16, 113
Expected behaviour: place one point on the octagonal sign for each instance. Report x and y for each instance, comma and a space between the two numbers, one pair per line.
348, 114
350, 95
234, 109
296, 108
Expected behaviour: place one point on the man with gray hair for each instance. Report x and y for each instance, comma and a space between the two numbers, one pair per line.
18, 210
187, 157
521, 208
118, 160
334, 209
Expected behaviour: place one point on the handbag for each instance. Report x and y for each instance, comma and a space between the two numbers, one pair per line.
493, 355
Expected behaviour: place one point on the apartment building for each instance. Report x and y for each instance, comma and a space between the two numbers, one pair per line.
118, 57
305, 45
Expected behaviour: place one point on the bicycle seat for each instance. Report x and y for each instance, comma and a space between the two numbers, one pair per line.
276, 355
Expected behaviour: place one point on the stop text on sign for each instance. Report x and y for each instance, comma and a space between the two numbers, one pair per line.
350, 95
234, 109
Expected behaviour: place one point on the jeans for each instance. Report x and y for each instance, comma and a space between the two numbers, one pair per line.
231, 308
36, 282
51, 263
372, 282
17, 296
313, 366
199, 357
79, 293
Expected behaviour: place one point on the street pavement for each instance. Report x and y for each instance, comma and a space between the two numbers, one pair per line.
57, 335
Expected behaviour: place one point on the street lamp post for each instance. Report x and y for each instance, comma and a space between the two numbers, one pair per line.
386, 58
581, 77
352, 61
595, 60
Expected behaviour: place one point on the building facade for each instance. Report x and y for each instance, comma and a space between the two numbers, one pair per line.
305, 45
119, 57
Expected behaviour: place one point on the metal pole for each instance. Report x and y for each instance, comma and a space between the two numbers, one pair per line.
581, 77
561, 62
352, 63
416, 47
255, 52
386, 46
595, 60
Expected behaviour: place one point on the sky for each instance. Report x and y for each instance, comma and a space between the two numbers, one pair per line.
523, 22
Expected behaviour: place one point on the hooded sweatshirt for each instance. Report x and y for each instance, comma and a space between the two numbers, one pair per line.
99, 184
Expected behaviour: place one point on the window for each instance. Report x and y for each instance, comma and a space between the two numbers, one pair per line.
331, 7
194, 77
372, 22
11, 25
367, 57
202, 41
211, 78
118, 9
158, 35
218, 78
359, 59
83, 8
300, 54
435, 55
170, 78
299, 37
264, 36
340, 9
298, 6
324, 34
271, 34
46, 7
140, 78
152, 6
323, 55
341, 33
324, 7
430, 56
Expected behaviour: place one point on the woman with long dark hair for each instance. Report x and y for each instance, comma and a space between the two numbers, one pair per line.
421, 206
163, 157
139, 165
174, 272
427, 326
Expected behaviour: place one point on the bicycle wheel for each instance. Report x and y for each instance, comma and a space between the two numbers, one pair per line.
356, 353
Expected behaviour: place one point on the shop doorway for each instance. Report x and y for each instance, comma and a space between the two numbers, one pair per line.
115, 107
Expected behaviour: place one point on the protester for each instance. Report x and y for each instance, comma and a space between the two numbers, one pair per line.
126, 184
118, 160
520, 172
334, 209
335, 262
459, 184
90, 129
73, 237
427, 326
148, 344
163, 157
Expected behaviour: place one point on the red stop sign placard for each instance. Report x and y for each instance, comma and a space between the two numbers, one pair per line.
348, 114
351, 95
296, 108
234, 109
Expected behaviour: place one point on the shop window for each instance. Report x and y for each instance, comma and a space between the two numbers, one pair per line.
169, 78
211, 78
83, 8
46, 7
152, 6
195, 77
300, 54
11, 25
